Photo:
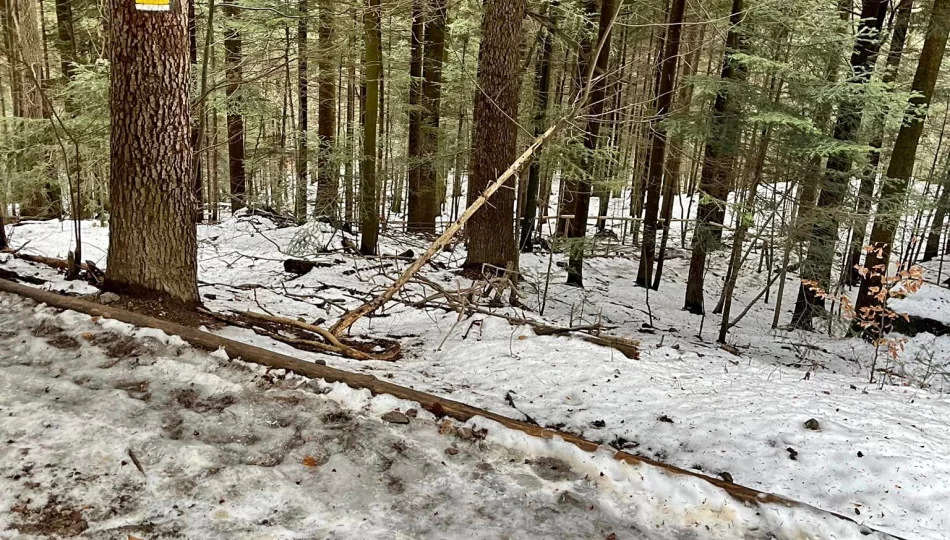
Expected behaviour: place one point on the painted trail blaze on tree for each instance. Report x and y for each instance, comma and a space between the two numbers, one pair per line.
153, 5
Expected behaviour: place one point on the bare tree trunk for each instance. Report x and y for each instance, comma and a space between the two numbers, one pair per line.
197, 127
543, 81
350, 129
303, 113
936, 226
414, 215
66, 33
152, 237
327, 169
866, 189
26, 48
821, 250
664, 99
369, 202
577, 227
459, 155
233, 73
491, 238
429, 178
721, 150
672, 186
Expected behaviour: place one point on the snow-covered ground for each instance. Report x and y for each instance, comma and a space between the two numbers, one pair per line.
878, 455
114, 432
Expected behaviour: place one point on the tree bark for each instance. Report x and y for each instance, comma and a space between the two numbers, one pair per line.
664, 99
543, 81
235, 120
348, 206
673, 184
152, 237
328, 173
429, 179
577, 227
936, 227
491, 237
369, 198
66, 34
303, 115
719, 159
904, 155
416, 51
197, 126
866, 188
26, 47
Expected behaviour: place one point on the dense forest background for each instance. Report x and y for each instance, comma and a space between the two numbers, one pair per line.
805, 129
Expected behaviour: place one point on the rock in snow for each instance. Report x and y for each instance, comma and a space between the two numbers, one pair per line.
108, 297
395, 417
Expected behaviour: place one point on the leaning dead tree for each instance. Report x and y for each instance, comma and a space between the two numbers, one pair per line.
349, 318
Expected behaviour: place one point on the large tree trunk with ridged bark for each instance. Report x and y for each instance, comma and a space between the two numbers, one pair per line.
152, 237
491, 236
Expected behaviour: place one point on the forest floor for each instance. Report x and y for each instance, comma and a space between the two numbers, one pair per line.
878, 455
115, 432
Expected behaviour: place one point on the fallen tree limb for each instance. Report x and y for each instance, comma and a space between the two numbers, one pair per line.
351, 317
437, 405
94, 275
59, 264
590, 333
13, 276
333, 344
197, 338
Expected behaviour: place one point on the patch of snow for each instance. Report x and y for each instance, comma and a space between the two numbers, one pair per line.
141, 445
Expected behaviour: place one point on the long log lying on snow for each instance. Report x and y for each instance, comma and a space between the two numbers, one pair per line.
439, 406
196, 338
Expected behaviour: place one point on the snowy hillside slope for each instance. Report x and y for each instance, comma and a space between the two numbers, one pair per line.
878, 455
114, 432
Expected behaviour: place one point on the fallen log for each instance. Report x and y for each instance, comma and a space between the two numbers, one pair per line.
59, 264
197, 338
330, 344
94, 275
13, 276
436, 405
